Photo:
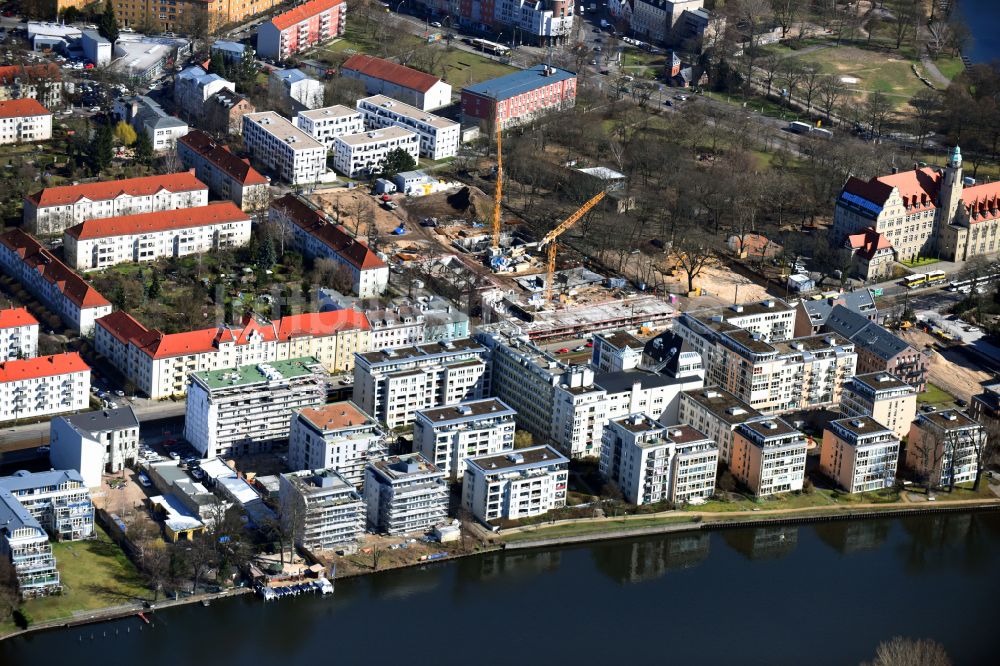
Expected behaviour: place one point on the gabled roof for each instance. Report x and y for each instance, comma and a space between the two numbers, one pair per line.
865, 334
868, 243
303, 12
354, 251
41, 366
16, 317
320, 323
859, 301
19, 108
64, 195
28, 72
218, 212
67, 281
918, 187
518, 83
982, 202
222, 159
384, 70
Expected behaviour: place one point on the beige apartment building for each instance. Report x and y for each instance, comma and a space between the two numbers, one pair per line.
769, 457
946, 446
716, 412
884, 397
860, 454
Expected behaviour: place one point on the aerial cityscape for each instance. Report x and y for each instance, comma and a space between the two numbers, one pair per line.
312, 312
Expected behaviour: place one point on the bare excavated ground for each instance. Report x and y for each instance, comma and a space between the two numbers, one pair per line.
959, 380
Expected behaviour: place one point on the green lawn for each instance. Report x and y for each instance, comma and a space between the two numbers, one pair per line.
576, 529
935, 395
784, 501
758, 104
949, 66
920, 261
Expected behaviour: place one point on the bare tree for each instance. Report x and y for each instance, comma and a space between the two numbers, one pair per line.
693, 251
901, 651
877, 110
812, 79
926, 105
831, 91
753, 16
790, 75
770, 65
785, 12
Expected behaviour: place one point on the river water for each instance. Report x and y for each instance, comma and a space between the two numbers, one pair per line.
818, 594
983, 19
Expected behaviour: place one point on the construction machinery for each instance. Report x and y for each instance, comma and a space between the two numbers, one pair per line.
498, 193
549, 241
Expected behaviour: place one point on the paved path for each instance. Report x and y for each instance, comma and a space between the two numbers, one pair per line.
933, 72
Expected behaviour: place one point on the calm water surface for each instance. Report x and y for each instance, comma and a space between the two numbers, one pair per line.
823, 594
983, 18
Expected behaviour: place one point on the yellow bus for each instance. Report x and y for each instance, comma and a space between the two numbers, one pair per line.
933, 277
915, 280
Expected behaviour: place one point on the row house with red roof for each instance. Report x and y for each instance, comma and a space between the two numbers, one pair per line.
159, 363
410, 86
24, 120
18, 334
39, 82
927, 212
43, 386
53, 209
227, 176
97, 244
56, 285
314, 235
301, 28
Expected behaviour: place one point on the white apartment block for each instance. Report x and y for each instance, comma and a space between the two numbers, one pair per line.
651, 462
396, 326
329, 122
18, 334
614, 352
300, 90
884, 397
946, 447
192, 88
860, 454
227, 176
448, 435
358, 155
323, 509
24, 120
293, 155
338, 436
405, 494
769, 456
716, 412
53, 209
100, 243
43, 386
772, 319
439, 137
515, 485
250, 408
95, 443
393, 384
159, 364
25, 544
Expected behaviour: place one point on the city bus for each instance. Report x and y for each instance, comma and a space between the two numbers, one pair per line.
915, 280
933, 277
491, 47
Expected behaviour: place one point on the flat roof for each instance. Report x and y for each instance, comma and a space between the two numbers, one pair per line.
397, 468
335, 111
321, 481
722, 404
409, 111
258, 373
467, 410
638, 423
518, 83
621, 339
105, 420
881, 381
376, 136
752, 341
812, 343
769, 427
860, 425
423, 350
623, 380
337, 416
947, 419
535, 456
283, 130
685, 434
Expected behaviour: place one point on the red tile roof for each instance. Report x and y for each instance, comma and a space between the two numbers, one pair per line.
320, 323
18, 108
122, 326
183, 181
31, 72
16, 317
221, 158
43, 366
982, 202
354, 251
868, 242
67, 281
401, 75
184, 218
917, 187
303, 12
335, 416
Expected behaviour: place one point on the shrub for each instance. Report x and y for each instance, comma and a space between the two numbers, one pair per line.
22, 618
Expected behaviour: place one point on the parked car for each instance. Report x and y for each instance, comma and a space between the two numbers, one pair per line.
174, 455
580, 348
564, 350
144, 480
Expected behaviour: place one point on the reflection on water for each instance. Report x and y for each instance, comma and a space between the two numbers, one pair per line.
646, 560
763, 543
847, 537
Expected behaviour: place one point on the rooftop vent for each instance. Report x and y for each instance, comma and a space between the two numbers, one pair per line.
712, 394
515, 458
770, 425
737, 308
857, 423
769, 303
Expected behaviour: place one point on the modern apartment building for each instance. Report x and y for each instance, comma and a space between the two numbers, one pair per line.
98, 244
520, 97
514, 485
295, 89
945, 446
250, 408
393, 384
227, 176
811, 315
860, 454
769, 456
293, 155
338, 436
24, 120
395, 326
357, 155
43, 386
439, 137
405, 494
384, 77
985, 406
18, 334
885, 398
448, 435
159, 364
25, 544
315, 235
615, 352
53, 209
95, 443
878, 349
192, 88
716, 412
329, 122
323, 508
301, 28
539, 23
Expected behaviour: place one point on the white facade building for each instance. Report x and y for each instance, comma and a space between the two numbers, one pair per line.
356, 155
300, 91
94, 443
24, 120
398, 326
860, 454
18, 334
448, 435
405, 494
192, 88
384, 77
614, 352
717, 413
322, 508
338, 436
293, 155
329, 122
514, 485
439, 137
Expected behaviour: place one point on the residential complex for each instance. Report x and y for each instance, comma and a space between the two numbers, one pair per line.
322, 508
39, 82
946, 447
878, 349
860, 454
395, 326
53, 209
104, 242
24, 120
811, 315
383, 77
145, 114
227, 176
393, 384
25, 544
224, 111
717, 413
448, 435
326, 124
292, 154
615, 352
338, 436
250, 408
405, 494
540, 23
439, 137
517, 98
887, 399
18, 334
52, 282
301, 28
985, 406
192, 88
180, 16
514, 485
294, 90
769, 456
95, 443
357, 155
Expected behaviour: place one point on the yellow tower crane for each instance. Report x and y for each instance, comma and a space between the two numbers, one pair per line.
549, 241
498, 193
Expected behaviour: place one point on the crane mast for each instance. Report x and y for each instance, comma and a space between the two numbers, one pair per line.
498, 192
549, 242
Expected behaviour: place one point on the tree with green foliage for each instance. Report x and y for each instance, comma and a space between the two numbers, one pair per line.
217, 65
154, 290
125, 134
266, 255
102, 147
143, 149
107, 24
396, 161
